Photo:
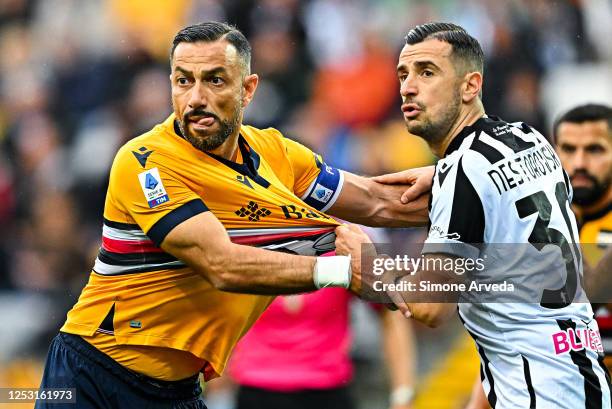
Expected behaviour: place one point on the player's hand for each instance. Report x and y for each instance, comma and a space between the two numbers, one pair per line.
350, 239
419, 179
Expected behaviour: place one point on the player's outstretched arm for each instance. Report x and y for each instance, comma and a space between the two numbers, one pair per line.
364, 201
203, 244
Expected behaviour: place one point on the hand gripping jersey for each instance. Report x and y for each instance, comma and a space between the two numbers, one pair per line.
145, 296
500, 195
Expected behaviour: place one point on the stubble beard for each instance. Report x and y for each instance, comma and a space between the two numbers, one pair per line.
586, 196
433, 131
215, 140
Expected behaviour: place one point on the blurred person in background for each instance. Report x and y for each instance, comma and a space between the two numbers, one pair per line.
297, 355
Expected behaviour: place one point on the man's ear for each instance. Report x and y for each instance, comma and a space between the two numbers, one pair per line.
250, 85
472, 86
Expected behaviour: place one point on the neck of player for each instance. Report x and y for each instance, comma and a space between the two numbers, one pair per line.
467, 116
229, 149
603, 202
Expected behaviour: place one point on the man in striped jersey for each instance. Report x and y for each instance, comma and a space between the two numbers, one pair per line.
193, 208
500, 196
583, 139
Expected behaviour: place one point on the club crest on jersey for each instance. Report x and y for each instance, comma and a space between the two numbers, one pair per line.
153, 187
321, 193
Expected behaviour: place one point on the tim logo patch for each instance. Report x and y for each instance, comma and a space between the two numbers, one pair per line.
321, 193
153, 187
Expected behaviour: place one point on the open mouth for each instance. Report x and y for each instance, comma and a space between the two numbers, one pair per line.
411, 110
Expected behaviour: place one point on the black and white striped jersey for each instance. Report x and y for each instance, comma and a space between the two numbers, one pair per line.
501, 195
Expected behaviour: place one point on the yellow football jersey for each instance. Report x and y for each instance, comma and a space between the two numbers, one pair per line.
273, 196
596, 234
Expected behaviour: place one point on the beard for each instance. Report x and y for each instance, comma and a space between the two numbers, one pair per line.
213, 141
585, 196
434, 131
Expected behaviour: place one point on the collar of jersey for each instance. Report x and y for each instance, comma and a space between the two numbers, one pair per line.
467, 131
250, 158
597, 215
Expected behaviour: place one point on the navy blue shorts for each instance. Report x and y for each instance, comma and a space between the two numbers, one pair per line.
102, 383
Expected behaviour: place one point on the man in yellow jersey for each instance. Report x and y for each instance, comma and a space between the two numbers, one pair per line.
193, 208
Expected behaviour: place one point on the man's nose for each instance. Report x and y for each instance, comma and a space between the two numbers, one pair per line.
579, 160
408, 87
197, 96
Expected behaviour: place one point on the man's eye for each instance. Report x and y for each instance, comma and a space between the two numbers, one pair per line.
595, 149
427, 73
182, 81
216, 80
568, 149
402, 77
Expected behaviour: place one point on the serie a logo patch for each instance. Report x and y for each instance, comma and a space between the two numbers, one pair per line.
321, 193
153, 187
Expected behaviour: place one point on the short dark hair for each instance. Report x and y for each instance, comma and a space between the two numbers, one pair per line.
584, 113
213, 31
465, 48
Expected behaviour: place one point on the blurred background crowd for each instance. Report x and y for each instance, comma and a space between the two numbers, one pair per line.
79, 78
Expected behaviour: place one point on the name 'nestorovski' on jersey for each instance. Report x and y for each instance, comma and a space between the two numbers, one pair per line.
533, 164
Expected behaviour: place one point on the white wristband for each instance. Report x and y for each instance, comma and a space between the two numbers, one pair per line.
332, 271
402, 395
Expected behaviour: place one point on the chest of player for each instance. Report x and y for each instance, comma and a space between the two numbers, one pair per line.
252, 192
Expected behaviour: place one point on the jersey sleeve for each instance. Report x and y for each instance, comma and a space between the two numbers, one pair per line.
315, 182
154, 197
456, 216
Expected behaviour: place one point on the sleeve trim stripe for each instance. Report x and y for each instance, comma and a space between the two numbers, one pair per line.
163, 226
121, 226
